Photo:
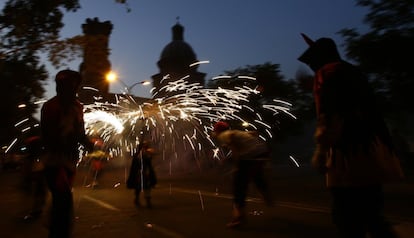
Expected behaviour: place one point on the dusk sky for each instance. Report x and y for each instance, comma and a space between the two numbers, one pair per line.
228, 33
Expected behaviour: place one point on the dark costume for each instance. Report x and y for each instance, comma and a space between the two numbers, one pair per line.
353, 145
142, 175
62, 128
250, 154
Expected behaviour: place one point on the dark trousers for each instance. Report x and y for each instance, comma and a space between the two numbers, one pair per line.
60, 181
249, 171
358, 211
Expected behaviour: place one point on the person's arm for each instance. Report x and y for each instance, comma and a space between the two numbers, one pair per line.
329, 118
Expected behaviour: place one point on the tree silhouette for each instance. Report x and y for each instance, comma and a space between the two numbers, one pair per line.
28, 28
272, 85
385, 51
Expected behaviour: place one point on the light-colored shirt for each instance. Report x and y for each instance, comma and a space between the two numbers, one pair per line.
245, 145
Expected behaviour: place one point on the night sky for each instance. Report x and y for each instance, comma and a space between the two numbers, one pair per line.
228, 33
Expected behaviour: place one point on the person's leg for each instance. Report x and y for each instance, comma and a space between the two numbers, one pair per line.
147, 194
261, 183
61, 218
40, 194
377, 225
137, 192
240, 185
347, 212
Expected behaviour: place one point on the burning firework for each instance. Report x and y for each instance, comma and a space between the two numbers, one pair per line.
180, 124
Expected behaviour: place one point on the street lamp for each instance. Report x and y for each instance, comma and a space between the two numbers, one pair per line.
112, 77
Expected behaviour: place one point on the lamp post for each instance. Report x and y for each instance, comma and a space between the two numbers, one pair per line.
112, 77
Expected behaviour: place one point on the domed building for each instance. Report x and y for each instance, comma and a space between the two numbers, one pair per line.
175, 62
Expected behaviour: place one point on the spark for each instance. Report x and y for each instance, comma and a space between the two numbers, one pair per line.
11, 145
180, 122
107, 118
294, 161
201, 200
21, 122
40, 101
199, 62
222, 77
246, 77
26, 129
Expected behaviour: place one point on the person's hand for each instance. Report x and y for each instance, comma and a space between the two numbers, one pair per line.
89, 145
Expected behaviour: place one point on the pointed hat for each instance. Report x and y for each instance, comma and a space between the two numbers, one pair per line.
308, 40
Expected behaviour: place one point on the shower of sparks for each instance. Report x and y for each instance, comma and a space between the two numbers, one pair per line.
181, 123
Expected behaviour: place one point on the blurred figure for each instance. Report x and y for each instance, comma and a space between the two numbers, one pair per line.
249, 154
35, 176
142, 175
62, 128
353, 145
97, 160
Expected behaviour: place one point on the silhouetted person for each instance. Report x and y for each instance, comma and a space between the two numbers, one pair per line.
249, 153
142, 175
353, 144
62, 128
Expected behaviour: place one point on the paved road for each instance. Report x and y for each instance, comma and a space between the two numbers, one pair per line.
193, 204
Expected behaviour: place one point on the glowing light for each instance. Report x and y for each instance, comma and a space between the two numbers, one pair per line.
111, 76
104, 117
181, 122
145, 82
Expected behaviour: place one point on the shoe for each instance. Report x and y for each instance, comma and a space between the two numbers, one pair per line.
32, 216
236, 222
95, 184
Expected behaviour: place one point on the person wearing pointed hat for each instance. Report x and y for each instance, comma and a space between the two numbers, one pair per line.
353, 145
249, 153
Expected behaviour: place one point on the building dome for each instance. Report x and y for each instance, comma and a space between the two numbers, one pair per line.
176, 61
177, 51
